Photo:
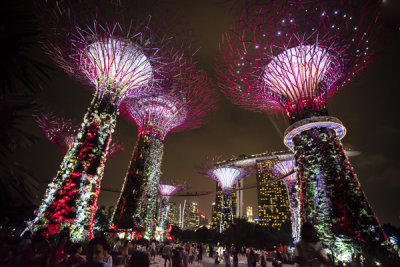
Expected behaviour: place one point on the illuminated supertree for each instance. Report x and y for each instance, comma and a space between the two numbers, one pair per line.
290, 56
166, 190
184, 103
226, 175
282, 168
63, 132
118, 58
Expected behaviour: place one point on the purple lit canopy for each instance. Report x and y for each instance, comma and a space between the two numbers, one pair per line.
290, 56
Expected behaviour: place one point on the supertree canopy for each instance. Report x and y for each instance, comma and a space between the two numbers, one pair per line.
184, 102
166, 190
282, 168
226, 175
117, 57
290, 56
63, 132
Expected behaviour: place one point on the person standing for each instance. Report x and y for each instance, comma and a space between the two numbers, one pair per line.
200, 254
125, 253
191, 254
176, 258
227, 257
263, 258
139, 259
235, 257
166, 254
153, 248
29, 255
185, 257
58, 254
107, 257
309, 252
75, 255
95, 254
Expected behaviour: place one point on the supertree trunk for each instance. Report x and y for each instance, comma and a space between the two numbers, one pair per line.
138, 198
294, 203
164, 208
330, 194
226, 211
71, 199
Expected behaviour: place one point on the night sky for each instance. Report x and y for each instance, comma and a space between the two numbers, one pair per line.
368, 108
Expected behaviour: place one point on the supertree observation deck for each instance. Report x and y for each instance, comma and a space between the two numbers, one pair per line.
290, 56
184, 103
283, 168
166, 190
117, 56
226, 175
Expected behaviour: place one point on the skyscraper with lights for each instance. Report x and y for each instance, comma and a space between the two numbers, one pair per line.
173, 214
273, 203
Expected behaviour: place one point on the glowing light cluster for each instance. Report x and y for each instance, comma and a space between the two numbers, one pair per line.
157, 113
119, 63
166, 191
284, 167
226, 177
297, 72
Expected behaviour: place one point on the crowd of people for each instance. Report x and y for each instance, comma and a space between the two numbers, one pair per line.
36, 250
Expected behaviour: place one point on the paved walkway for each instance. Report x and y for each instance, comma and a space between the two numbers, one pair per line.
208, 262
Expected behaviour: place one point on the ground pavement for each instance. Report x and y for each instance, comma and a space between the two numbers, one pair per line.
208, 262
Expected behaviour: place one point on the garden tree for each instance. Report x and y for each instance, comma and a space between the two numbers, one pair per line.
240, 233
188, 235
203, 235
243, 233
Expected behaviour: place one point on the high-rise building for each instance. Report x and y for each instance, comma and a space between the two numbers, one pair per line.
191, 220
173, 214
239, 199
273, 203
216, 210
249, 213
217, 205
